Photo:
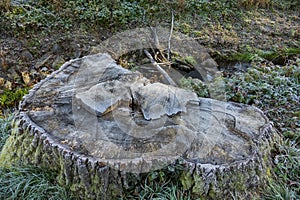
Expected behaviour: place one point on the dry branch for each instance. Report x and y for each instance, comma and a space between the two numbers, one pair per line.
161, 70
170, 36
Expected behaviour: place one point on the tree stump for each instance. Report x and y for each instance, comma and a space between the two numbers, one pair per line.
100, 126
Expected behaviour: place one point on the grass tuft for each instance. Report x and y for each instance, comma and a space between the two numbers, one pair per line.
162, 184
26, 182
29, 183
277, 191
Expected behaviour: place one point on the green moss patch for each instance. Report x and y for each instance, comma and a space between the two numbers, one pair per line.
11, 98
280, 56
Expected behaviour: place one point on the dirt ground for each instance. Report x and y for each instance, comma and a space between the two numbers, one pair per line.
26, 57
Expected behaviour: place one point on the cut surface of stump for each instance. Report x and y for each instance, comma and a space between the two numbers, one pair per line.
93, 119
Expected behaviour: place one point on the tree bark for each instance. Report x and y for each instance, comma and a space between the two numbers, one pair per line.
102, 128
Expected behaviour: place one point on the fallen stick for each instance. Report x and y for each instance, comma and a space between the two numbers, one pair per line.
161, 70
156, 46
170, 36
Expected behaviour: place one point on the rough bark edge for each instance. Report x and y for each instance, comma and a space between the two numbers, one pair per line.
40, 84
93, 179
242, 180
85, 176
30, 144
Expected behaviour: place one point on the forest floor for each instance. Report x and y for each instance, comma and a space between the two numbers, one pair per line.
36, 39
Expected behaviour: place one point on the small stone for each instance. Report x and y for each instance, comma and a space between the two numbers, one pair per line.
77, 53
27, 56
56, 48
44, 69
12, 73
59, 61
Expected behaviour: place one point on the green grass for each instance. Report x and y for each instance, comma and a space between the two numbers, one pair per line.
29, 183
275, 89
285, 183
118, 13
26, 182
171, 192
163, 184
279, 191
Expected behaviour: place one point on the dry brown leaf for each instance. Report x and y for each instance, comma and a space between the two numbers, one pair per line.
26, 77
8, 85
2, 80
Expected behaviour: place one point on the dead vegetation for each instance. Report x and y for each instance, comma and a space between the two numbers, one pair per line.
255, 3
4, 4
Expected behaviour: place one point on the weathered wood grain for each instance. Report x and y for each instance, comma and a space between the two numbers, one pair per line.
96, 123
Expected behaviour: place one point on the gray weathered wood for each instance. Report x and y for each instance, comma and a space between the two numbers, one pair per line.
96, 123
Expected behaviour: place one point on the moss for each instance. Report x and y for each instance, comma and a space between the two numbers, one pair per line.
186, 180
212, 192
190, 60
268, 172
37, 154
278, 56
21, 148
11, 98
239, 183
7, 157
96, 180
185, 28
198, 187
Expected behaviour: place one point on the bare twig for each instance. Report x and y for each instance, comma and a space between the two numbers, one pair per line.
156, 46
161, 70
170, 36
